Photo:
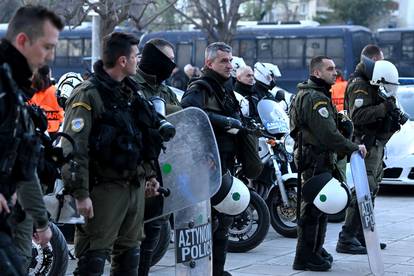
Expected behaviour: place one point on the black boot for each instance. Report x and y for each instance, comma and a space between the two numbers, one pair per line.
361, 239
323, 222
220, 243
91, 264
126, 264
349, 244
306, 259
307, 255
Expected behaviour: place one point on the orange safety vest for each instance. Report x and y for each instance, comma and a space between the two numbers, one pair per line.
338, 94
47, 100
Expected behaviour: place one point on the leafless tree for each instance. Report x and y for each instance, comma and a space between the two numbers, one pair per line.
218, 18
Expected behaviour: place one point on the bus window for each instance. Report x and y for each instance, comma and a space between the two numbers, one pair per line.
408, 45
87, 47
359, 41
247, 50
296, 51
201, 45
315, 47
75, 47
235, 47
280, 52
264, 50
183, 52
62, 48
335, 50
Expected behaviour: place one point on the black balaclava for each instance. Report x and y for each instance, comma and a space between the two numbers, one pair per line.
156, 63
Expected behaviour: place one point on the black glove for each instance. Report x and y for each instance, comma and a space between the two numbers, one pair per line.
390, 104
166, 130
345, 126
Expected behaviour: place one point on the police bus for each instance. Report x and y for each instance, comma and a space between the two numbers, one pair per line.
289, 47
398, 47
74, 49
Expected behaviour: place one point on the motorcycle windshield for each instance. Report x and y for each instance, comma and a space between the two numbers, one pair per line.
273, 116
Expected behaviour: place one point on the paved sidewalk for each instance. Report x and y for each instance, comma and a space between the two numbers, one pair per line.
395, 220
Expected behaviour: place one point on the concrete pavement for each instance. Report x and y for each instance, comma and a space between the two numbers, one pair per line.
395, 220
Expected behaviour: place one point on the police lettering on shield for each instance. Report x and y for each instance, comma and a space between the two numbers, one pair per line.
193, 243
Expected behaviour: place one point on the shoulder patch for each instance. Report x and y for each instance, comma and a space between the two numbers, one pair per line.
323, 111
81, 104
315, 106
358, 102
77, 124
361, 91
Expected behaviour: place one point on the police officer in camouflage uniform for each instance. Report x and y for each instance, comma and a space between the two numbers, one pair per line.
31, 37
313, 114
113, 127
155, 66
371, 116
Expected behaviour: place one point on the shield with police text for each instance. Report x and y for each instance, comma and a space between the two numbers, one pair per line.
366, 210
190, 164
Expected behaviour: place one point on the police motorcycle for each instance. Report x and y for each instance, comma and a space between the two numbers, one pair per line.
53, 259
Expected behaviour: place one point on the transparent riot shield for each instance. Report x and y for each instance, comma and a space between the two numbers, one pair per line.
193, 240
190, 165
366, 210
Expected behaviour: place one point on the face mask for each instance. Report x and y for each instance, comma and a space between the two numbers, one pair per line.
156, 63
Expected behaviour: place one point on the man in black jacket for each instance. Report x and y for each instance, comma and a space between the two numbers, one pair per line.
30, 41
211, 94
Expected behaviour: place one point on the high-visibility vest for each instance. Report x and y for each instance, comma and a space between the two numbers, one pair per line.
47, 100
338, 94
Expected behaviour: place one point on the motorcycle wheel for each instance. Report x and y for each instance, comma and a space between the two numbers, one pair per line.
163, 243
53, 259
283, 219
249, 228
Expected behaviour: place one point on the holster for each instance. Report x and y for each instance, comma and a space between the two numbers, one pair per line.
317, 160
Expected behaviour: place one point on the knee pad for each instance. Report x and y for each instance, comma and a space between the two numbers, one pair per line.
126, 263
92, 263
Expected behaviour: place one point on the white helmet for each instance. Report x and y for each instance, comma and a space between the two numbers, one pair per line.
385, 74
243, 103
66, 84
328, 194
233, 196
237, 62
266, 73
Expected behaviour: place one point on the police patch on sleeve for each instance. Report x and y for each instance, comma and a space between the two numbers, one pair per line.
358, 102
323, 111
77, 124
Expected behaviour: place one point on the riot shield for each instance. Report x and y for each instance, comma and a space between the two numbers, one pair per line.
366, 210
190, 164
193, 240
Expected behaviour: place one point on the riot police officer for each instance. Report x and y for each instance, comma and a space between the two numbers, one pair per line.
313, 115
116, 131
213, 95
31, 37
155, 66
374, 123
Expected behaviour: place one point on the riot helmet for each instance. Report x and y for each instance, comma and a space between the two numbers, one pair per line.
65, 86
233, 197
236, 62
266, 73
385, 75
326, 193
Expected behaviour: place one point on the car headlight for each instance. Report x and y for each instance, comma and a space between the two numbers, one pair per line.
289, 144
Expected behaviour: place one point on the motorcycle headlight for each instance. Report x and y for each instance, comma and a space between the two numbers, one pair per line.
289, 144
